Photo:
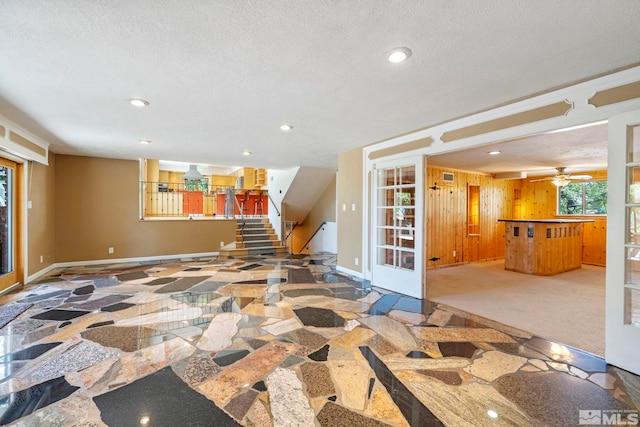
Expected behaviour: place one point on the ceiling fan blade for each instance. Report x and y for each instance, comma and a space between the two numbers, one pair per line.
542, 179
580, 177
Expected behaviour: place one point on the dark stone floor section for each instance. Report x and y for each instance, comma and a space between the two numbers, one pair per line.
319, 317
418, 355
321, 355
134, 275
117, 307
457, 349
334, 415
240, 405
29, 353
101, 302
42, 297
412, 409
160, 281
125, 338
165, 399
300, 275
228, 357
17, 405
60, 315
84, 290
532, 393
249, 267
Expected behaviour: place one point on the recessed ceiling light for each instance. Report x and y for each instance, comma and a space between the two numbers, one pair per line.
246, 153
137, 102
399, 54
286, 127
494, 153
144, 141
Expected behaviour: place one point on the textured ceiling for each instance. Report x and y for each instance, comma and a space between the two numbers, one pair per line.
579, 150
221, 76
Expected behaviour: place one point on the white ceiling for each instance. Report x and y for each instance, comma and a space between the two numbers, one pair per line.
578, 150
222, 76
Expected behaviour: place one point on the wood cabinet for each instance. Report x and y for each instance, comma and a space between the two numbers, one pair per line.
259, 177
543, 247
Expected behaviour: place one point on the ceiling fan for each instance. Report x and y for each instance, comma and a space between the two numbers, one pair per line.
563, 178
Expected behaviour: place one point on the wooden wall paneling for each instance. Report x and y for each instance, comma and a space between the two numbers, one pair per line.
446, 217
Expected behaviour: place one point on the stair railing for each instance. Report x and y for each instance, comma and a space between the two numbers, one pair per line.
290, 225
239, 208
274, 204
303, 247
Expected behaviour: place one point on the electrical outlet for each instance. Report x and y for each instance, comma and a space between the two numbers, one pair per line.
454, 254
353, 207
111, 249
41, 259
344, 207
221, 243
356, 261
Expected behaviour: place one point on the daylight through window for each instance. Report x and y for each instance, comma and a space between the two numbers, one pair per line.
583, 198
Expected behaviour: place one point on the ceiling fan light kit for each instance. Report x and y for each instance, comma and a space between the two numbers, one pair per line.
563, 178
560, 181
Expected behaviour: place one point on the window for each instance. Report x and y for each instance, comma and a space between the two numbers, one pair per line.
583, 198
196, 185
473, 210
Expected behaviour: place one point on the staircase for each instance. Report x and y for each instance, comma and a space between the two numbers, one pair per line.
254, 236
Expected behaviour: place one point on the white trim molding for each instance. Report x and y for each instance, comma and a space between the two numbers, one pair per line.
350, 272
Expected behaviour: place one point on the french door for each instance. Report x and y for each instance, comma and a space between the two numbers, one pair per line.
622, 339
9, 221
398, 225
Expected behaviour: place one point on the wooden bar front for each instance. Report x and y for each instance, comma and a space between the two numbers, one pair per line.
543, 247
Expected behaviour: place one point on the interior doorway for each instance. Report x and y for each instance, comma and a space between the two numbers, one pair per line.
518, 179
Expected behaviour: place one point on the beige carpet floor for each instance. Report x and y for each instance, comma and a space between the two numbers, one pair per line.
567, 308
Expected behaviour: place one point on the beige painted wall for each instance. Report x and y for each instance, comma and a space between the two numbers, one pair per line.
323, 210
41, 216
96, 206
349, 191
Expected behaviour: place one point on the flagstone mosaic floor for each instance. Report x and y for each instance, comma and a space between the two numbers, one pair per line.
265, 341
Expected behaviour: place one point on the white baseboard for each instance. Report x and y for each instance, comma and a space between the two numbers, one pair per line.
53, 266
350, 272
10, 288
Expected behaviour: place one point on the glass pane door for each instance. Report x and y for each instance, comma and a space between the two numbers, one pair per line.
632, 244
398, 261
622, 320
8, 274
396, 217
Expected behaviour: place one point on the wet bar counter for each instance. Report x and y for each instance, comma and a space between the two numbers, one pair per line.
543, 246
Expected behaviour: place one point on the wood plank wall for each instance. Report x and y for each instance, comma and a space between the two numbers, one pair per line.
447, 217
447, 228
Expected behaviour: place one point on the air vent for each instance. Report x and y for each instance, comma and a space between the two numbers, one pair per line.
447, 177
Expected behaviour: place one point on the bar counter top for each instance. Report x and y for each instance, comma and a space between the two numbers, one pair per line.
548, 221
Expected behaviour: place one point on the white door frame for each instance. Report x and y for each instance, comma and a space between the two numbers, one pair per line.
622, 342
398, 254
